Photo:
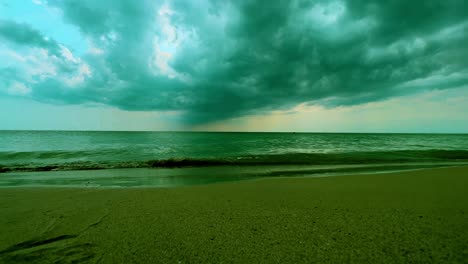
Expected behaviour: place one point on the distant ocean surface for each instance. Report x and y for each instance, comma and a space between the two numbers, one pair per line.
34, 151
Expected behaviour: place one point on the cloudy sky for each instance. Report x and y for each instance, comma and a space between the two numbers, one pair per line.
306, 65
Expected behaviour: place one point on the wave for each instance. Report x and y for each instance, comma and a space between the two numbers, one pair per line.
364, 157
57, 154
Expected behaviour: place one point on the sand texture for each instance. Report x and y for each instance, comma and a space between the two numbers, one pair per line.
419, 216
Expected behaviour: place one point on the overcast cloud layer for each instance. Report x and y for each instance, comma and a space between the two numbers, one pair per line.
214, 60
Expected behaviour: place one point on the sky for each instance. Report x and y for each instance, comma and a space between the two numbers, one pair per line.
208, 65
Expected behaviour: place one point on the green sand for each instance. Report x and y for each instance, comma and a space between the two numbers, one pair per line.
419, 216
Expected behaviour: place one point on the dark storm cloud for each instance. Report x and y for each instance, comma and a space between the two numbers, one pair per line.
234, 58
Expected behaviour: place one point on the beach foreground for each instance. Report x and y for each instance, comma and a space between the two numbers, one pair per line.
417, 216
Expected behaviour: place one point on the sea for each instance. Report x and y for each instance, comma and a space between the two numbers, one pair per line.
166, 159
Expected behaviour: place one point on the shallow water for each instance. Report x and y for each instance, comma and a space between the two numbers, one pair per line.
173, 177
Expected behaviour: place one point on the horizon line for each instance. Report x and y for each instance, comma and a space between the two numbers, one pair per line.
208, 131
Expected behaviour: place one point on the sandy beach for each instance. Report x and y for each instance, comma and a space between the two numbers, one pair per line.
418, 216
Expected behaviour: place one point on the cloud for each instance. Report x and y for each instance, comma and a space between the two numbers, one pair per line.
215, 60
23, 34
19, 88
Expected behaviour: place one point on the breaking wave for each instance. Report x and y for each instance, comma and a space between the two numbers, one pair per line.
92, 160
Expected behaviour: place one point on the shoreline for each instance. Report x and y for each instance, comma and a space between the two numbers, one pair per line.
188, 176
412, 216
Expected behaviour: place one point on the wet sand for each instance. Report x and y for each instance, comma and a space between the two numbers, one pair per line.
418, 216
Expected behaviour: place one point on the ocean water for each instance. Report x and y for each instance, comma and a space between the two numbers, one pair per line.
58, 151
